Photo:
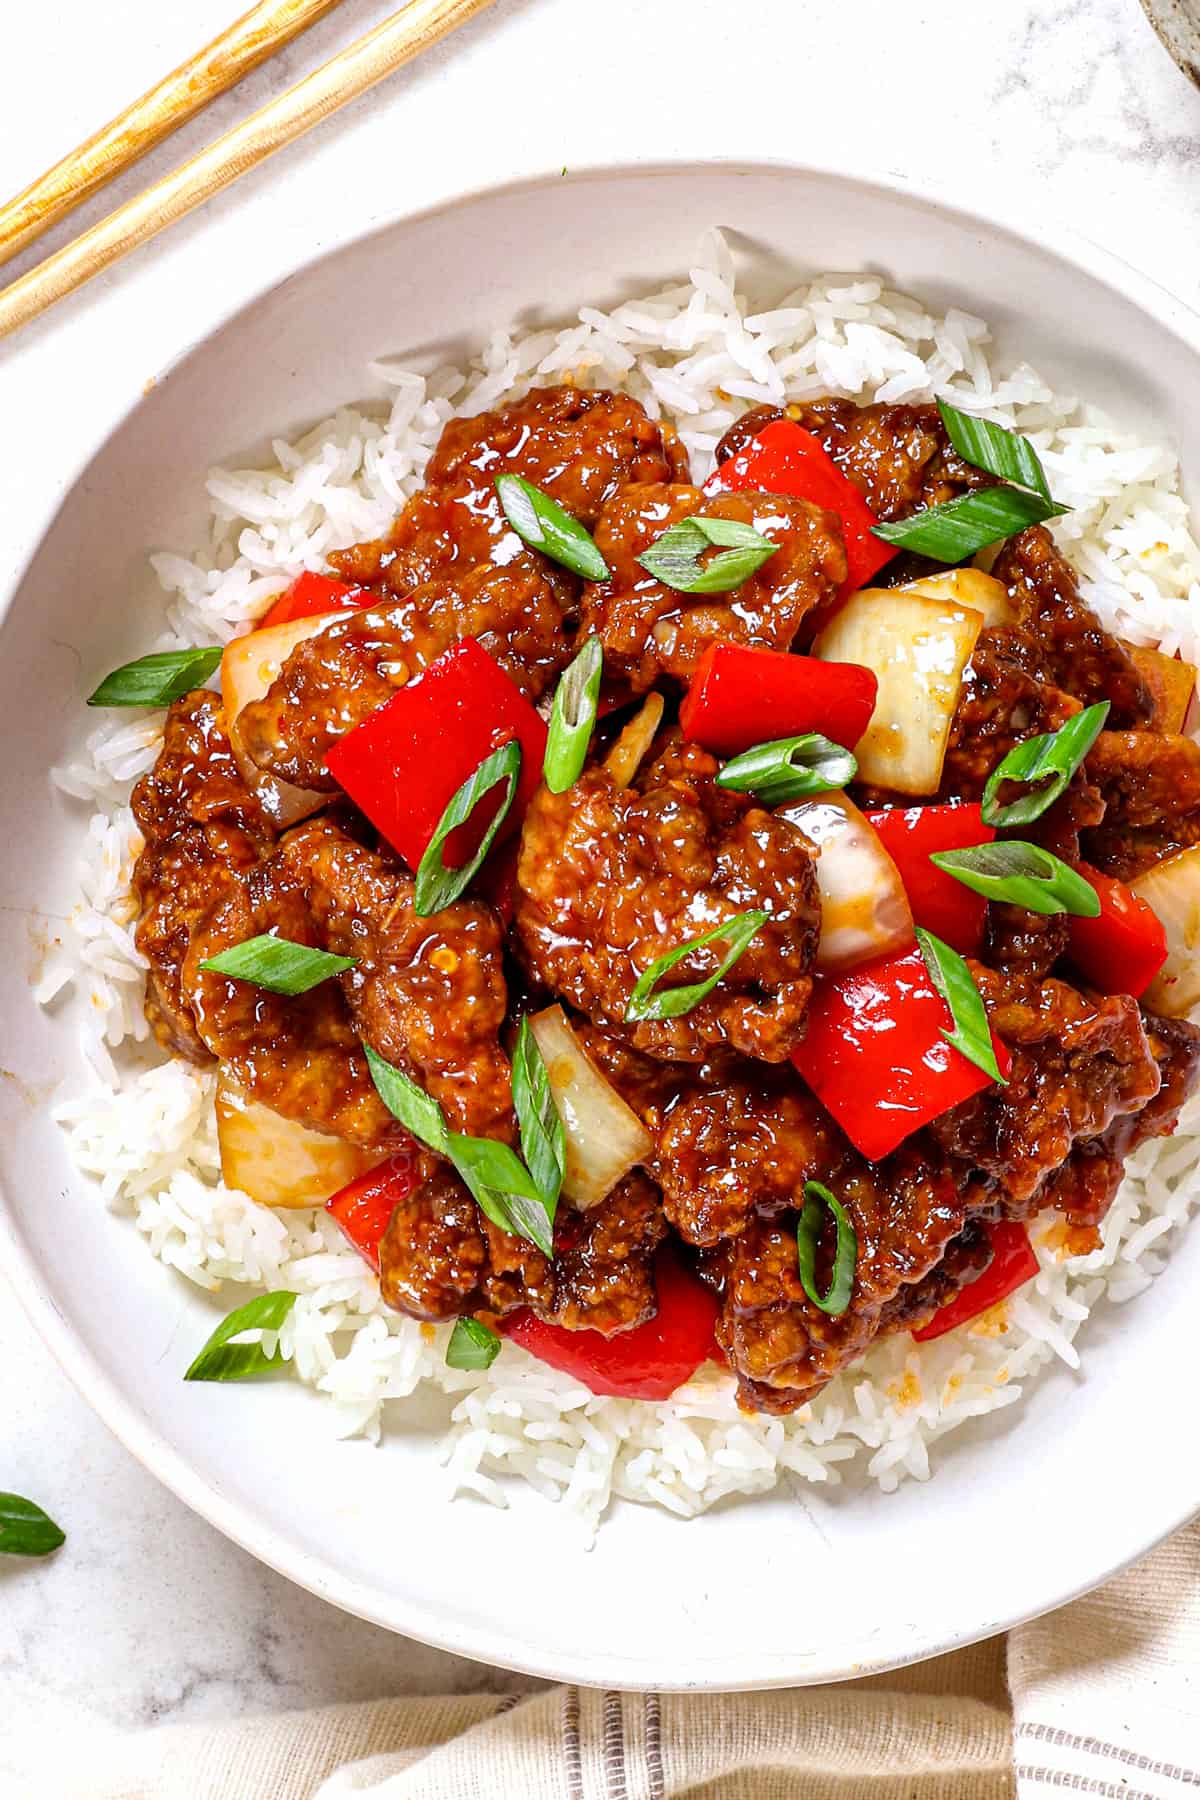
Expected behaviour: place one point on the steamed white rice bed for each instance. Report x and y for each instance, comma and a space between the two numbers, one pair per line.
700, 352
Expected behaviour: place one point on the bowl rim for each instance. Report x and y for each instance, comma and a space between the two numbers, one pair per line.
484, 1643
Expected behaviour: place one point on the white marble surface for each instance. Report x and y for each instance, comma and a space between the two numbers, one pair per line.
148, 1614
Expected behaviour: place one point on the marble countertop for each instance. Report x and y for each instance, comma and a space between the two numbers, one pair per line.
1072, 105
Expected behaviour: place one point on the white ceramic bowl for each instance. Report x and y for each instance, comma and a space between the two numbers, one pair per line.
1045, 1499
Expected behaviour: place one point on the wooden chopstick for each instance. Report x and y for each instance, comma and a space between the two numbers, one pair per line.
393, 43
179, 97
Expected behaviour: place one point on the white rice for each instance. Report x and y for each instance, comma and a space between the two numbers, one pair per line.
699, 351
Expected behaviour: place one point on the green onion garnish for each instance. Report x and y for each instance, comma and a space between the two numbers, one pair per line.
573, 718
278, 964
416, 1110
672, 1003
957, 529
222, 1361
841, 1283
157, 680
972, 1035
543, 525
1021, 874
501, 1184
436, 885
994, 448
543, 1140
789, 767
472, 1345
674, 558
25, 1530
1051, 758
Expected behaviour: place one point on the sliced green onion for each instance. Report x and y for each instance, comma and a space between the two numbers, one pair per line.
817, 1198
789, 767
960, 527
222, 1361
436, 885
543, 1140
543, 525
278, 964
498, 1179
1051, 758
672, 1003
972, 1035
573, 718
414, 1108
504, 1189
472, 1345
994, 448
157, 680
25, 1530
1022, 875
674, 558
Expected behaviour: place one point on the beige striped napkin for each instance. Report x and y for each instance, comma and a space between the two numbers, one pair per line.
1101, 1699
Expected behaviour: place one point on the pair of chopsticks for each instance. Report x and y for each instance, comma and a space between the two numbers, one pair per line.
247, 43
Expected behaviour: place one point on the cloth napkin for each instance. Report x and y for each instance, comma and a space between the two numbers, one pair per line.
1099, 1699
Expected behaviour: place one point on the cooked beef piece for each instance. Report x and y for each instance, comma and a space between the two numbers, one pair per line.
1076, 651
610, 879
1027, 942
649, 629
1079, 1062
1086, 1184
900, 456
603, 1268
427, 994
728, 1154
198, 819
1151, 788
441, 1257
905, 1211
1003, 701
965, 1259
332, 682
299, 1055
577, 446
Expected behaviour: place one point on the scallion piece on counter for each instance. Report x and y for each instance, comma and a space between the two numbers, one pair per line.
817, 1200
221, 1360
501, 1184
972, 1035
674, 558
573, 718
1050, 759
673, 1003
473, 1345
1021, 874
542, 524
994, 448
25, 1530
788, 768
437, 886
543, 1140
957, 529
278, 964
158, 679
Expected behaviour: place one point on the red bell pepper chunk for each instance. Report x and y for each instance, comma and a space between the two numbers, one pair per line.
1121, 951
365, 1205
740, 697
786, 459
875, 1057
1013, 1264
404, 764
910, 835
647, 1363
312, 594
